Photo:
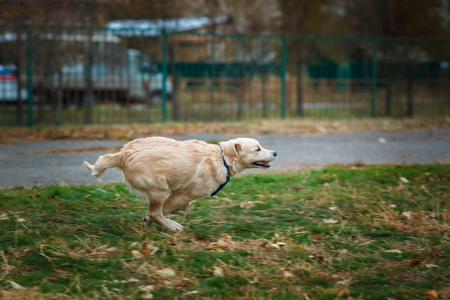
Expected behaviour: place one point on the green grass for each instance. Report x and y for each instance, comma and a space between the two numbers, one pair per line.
329, 234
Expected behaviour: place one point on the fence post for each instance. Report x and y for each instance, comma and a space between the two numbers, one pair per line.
88, 95
164, 74
283, 76
29, 77
374, 77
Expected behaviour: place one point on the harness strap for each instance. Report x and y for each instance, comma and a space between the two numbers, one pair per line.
228, 174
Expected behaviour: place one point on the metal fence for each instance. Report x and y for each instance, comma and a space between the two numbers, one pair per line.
56, 75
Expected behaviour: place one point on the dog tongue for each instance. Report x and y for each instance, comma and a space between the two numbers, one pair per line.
264, 163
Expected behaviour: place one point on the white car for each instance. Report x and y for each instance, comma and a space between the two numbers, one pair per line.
125, 70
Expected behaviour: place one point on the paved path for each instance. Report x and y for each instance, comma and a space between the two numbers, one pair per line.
35, 163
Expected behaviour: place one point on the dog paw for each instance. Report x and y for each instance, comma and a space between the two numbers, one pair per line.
146, 221
173, 226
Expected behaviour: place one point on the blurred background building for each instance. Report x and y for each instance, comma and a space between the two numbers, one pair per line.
97, 61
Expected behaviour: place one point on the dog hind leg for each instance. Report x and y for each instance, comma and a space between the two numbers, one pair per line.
157, 198
176, 202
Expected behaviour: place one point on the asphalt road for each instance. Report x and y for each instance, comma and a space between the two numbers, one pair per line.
36, 163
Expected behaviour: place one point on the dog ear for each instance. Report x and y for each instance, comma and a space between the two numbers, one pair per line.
231, 149
237, 148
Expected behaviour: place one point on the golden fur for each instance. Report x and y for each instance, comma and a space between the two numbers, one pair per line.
170, 173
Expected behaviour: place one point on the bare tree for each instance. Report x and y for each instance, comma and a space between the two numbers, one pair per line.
303, 18
398, 18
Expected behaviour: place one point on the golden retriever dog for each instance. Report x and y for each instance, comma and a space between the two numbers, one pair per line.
170, 174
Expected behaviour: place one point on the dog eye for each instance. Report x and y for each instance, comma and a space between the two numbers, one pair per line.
259, 149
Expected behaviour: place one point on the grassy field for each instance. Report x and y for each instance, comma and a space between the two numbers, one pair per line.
351, 233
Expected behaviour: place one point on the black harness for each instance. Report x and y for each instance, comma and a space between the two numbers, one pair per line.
228, 174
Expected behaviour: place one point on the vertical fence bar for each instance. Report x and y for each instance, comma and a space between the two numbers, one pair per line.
374, 77
283, 76
164, 75
29, 77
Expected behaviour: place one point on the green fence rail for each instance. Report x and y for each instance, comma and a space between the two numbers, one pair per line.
60, 75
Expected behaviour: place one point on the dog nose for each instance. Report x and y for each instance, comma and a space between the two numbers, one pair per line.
275, 153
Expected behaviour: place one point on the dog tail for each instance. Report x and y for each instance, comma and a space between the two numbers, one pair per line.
103, 162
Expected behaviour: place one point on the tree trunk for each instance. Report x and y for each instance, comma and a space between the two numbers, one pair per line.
263, 94
174, 96
59, 99
299, 109
388, 78
384, 6
18, 73
409, 92
89, 94
240, 99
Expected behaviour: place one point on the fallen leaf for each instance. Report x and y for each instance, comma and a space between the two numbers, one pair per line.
396, 251
197, 239
225, 242
218, 272
330, 221
344, 282
112, 249
167, 272
317, 236
274, 246
147, 288
147, 296
190, 293
429, 266
249, 204
288, 274
148, 249
432, 294
406, 214
168, 283
136, 254
142, 268
17, 286
404, 180
332, 208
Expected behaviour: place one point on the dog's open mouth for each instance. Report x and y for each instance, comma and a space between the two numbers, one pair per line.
264, 164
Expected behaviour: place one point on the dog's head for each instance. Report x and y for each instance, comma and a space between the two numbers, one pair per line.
246, 153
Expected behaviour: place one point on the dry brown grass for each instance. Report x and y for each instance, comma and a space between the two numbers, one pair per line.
284, 127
